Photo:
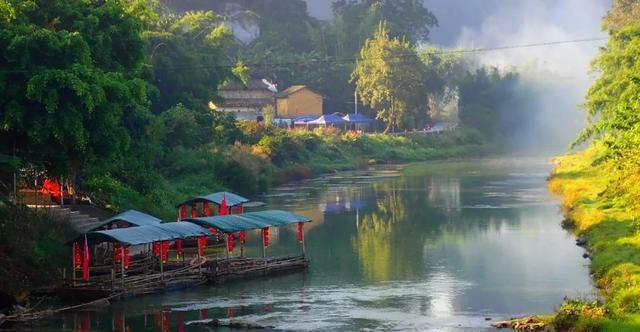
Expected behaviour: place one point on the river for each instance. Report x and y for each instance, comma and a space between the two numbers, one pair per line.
435, 246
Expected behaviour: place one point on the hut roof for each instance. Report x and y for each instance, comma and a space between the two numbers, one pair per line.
232, 199
248, 221
133, 217
147, 234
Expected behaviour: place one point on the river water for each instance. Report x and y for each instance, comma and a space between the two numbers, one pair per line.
435, 246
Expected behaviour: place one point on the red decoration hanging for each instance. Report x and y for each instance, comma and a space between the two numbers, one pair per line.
165, 251
300, 233
240, 209
230, 242
85, 260
194, 211
206, 208
180, 321
179, 247
242, 236
213, 230
202, 243
156, 248
223, 206
265, 237
126, 258
117, 254
183, 212
77, 255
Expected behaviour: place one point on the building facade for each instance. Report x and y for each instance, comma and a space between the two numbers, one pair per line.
298, 100
246, 102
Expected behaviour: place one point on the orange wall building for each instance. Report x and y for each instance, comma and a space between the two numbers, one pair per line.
298, 100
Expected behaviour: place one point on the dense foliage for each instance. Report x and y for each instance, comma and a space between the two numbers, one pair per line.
599, 184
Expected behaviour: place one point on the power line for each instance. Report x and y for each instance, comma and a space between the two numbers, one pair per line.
353, 59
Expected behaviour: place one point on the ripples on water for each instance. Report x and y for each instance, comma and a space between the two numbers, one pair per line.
434, 246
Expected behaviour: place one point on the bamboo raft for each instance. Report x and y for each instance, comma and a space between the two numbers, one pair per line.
139, 280
150, 270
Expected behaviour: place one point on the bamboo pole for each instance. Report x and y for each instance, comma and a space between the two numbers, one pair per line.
304, 251
122, 265
161, 262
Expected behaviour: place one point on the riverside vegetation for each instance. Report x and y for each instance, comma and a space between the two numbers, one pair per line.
599, 185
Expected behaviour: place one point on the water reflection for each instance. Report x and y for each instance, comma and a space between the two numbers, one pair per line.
436, 246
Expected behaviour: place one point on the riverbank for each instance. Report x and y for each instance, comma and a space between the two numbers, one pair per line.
268, 157
249, 168
608, 229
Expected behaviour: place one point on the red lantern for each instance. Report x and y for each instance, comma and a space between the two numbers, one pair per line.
202, 243
194, 211
213, 230
239, 209
265, 237
179, 247
300, 233
126, 257
117, 254
183, 212
207, 209
180, 321
77, 255
242, 236
85, 260
223, 206
165, 251
230, 242
156, 248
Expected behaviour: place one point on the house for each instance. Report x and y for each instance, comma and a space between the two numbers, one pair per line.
298, 100
246, 102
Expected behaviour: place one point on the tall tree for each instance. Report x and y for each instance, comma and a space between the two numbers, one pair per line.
68, 76
622, 13
389, 77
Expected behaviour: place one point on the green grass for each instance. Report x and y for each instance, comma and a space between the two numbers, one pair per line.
613, 241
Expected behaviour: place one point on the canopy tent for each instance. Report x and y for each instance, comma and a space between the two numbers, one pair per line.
327, 119
248, 221
356, 118
231, 198
133, 217
146, 234
303, 119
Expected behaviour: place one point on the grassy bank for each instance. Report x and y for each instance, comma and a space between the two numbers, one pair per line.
264, 157
31, 249
610, 229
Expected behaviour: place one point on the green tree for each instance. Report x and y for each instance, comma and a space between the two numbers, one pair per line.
389, 77
69, 76
607, 102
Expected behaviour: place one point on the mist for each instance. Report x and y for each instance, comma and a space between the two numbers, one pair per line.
557, 75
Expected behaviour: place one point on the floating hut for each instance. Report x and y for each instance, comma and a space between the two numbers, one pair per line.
227, 203
139, 260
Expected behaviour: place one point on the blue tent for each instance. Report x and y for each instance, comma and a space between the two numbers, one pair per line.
303, 119
328, 119
356, 118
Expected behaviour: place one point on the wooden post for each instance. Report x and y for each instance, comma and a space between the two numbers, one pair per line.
113, 278
226, 243
161, 262
198, 253
122, 265
304, 251
264, 248
73, 266
61, 191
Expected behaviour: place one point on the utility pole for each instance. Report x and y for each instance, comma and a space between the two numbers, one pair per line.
355, 100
